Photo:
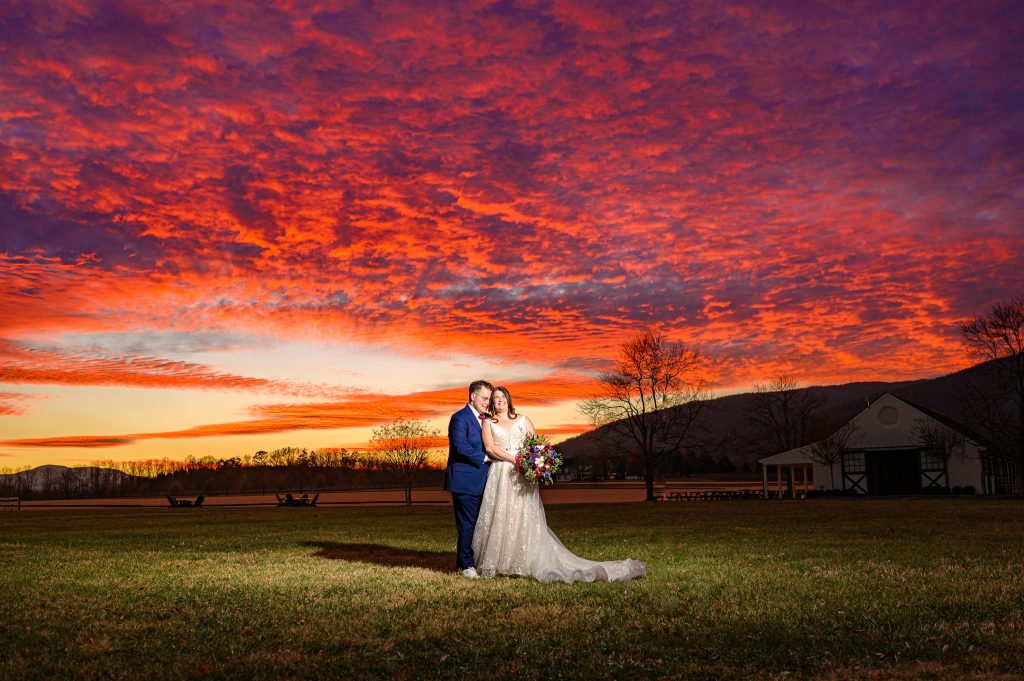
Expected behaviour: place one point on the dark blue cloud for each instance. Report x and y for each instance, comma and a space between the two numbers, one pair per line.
47, 229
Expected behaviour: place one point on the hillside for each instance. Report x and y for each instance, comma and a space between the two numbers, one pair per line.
725, 420
53, 478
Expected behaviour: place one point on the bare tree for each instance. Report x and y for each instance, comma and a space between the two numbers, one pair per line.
406, 445
940, 441
68, 479
259, 460
998, 337
651, 399
829, 450
780, 414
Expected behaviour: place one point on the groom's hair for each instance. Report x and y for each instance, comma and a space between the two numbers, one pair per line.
476, 385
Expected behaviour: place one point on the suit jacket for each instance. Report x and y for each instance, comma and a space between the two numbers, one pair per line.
467, 463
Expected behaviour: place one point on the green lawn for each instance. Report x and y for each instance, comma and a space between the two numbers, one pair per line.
929, 588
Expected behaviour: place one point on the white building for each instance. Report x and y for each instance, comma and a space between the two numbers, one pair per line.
885, 455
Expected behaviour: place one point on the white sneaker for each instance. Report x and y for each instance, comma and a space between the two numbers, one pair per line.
470, 573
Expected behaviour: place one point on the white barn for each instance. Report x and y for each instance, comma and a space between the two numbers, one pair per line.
885, 456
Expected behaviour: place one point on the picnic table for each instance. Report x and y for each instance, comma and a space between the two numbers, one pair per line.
710, 495
291, 500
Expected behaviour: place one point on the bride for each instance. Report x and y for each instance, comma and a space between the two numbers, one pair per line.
512, 535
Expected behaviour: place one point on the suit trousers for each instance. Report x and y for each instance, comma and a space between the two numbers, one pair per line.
467, 508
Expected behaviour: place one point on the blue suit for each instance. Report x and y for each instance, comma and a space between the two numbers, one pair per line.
465, 477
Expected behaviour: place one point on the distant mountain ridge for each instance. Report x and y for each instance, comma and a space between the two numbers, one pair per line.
53, 476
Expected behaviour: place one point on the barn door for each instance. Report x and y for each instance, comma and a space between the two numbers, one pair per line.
855, 472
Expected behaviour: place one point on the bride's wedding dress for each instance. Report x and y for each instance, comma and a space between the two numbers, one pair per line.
512, 535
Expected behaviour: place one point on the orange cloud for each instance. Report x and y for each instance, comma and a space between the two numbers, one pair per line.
87, 441
14, 404
357, 411
22, 364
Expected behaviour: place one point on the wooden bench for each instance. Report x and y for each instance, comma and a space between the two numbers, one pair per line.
186, 503
12, 503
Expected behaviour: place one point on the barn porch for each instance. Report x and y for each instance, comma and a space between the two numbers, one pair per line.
788, 475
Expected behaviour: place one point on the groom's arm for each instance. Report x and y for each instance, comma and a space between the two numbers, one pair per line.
458, 435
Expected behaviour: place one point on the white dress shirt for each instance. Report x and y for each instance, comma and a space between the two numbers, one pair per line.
479, 421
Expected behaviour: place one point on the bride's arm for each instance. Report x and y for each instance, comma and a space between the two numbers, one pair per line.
530, 430
491, 447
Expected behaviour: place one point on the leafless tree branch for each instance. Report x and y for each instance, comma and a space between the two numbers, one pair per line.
652, 398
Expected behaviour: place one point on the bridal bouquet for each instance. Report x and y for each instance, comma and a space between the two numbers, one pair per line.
537, 460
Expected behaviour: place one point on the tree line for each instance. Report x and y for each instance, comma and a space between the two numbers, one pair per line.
287, 469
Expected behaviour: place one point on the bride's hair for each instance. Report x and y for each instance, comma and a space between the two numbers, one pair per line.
508, 398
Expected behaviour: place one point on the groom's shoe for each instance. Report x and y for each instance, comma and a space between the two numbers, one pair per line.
469, 573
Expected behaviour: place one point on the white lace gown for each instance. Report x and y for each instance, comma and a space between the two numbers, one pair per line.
512, 535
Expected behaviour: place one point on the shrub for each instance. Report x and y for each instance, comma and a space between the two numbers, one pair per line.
935, 489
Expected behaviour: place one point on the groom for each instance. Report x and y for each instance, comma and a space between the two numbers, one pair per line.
466, 473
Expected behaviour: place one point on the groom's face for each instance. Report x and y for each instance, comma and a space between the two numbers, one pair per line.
479, 400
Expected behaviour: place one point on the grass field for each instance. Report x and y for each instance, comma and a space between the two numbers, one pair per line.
923, 588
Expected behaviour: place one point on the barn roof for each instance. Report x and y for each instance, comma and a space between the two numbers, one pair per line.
792, 456
802, 455
946, 421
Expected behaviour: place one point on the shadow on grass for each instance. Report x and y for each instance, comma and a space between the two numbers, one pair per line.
388, 556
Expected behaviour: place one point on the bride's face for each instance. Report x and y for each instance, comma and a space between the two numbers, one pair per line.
500, 403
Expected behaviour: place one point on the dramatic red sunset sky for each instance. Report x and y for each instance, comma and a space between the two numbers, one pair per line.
239, 227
